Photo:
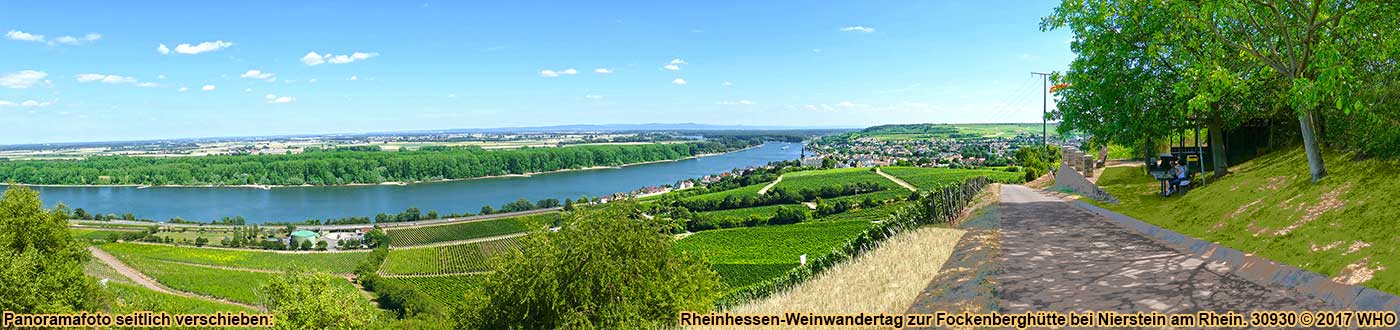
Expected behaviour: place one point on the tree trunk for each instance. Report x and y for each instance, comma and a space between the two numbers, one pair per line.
1217, 148
1311, 145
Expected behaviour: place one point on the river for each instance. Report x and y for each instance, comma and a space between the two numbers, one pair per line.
300, 203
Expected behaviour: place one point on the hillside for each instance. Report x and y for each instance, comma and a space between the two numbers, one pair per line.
1342, 227
947, 131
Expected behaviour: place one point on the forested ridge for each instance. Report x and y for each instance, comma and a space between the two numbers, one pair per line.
347, 166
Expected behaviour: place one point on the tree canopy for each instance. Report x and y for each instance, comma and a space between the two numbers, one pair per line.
1144, 67
41, 265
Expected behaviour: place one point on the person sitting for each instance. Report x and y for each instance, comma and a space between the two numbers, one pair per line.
1178, 176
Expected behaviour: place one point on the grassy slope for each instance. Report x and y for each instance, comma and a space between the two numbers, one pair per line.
749, 190
744, 256
1268, 207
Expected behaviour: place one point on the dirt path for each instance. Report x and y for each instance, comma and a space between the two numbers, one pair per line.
141, 279
770, 185
896, 180
1058, 257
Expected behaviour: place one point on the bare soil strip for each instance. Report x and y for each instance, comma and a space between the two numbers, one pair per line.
896, 180
770, 185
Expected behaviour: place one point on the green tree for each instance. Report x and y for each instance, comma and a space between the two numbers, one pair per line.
313, 301
607, 267
41, 265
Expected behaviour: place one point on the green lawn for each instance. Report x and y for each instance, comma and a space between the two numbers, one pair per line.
339, 262
1269, 207
465, 230
926, 178
744, 256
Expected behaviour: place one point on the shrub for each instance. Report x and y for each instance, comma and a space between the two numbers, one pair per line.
607, 267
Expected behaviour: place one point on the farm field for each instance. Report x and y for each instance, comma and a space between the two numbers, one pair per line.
451, 259
465, 230
233, 285
824, 178
744, 213
749, 190
128, 297
878, 213
339, 262
948, 131
926, 178
96, 233
446, 290
887, 194
745, 256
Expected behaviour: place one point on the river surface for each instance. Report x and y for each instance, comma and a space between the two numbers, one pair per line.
300, 203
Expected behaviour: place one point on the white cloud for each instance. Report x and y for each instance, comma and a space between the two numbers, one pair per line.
849, 104
106, 78
354, 78
182, 89
739, 102
593, 97
22, 79
314, 59
65, 40
22, 36
147, 84
677, 61
274, 99
247, 90
726, 84
678, 81
188, 49
312, 81
160, 76
259, 74
208, 88
603, 70
26, 104
452, 96
547, 73
857, 28
672, 67
816, 50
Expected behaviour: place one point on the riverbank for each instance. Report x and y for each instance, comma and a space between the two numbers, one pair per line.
384, 183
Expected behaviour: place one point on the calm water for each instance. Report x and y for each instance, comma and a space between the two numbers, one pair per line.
300, 203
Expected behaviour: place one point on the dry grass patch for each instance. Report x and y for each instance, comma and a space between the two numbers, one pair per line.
886, 280
1357, 272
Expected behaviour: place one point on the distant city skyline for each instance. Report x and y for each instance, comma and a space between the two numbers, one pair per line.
96, 71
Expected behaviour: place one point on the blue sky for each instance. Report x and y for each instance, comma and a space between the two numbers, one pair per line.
96, 71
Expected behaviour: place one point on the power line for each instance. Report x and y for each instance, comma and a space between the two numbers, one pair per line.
1044, 108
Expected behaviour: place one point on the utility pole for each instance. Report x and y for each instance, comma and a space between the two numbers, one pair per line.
1044, 108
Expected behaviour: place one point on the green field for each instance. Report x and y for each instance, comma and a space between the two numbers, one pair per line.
878, 213
129, 297
926, 178
233, 285
744, 256
104, 234
466, 230
882, 195
338, 262
446, 290
833, 177
450, 259
749, 190
743, 214
1269, 207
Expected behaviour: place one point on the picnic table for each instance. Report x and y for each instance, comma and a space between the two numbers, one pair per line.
1162, 177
